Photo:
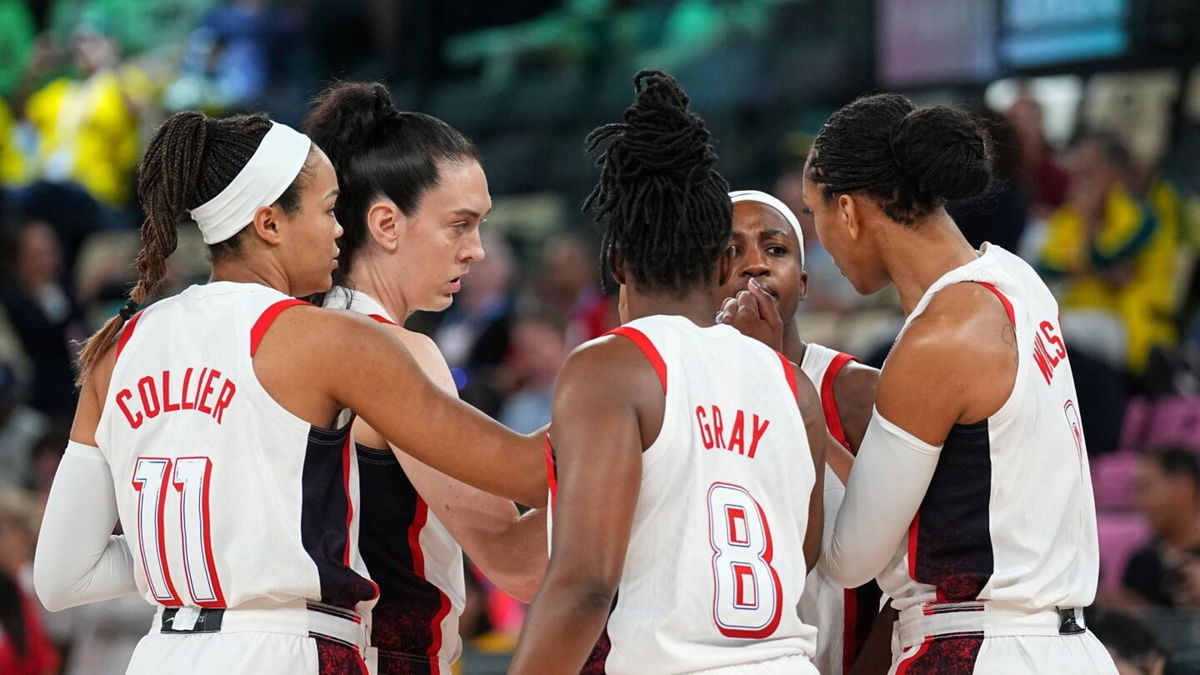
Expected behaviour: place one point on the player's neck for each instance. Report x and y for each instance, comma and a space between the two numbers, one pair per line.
696, 305
255, 272
369, 279
916, 257
793, 346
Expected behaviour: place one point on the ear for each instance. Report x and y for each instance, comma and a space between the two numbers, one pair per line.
725, 266
383, 222
850, 211
266, 224
803, 285
616, 267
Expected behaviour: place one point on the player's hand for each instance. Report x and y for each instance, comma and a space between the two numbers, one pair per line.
754, 313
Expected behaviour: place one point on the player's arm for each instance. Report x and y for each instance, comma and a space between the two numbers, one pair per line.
353, 362
818, 441
600, 404
854, 391
953, 364
508, 547
78, 559
875, 657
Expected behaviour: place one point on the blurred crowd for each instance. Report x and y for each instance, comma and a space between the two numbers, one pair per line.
83, 83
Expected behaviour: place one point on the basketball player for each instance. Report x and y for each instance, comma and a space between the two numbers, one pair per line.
687, 502
214, 427
768, 246
972, 480
413, 197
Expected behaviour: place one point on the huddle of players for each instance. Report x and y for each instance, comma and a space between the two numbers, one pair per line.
692, 471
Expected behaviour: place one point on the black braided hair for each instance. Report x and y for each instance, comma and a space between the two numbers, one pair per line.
911, 161
663, 208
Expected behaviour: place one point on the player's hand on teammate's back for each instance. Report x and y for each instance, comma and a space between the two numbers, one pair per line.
754, 313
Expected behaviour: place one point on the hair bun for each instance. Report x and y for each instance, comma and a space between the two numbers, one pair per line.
944, 152
350, 116
662, 135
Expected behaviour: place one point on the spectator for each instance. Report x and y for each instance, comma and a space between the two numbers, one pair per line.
538, 351
87, 126
1000, 216
1044, 178
1133, 647
20, 427
1113, 258
24, 647
44, 316
572, 282
1166, 572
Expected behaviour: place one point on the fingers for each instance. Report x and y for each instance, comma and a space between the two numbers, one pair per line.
765, 303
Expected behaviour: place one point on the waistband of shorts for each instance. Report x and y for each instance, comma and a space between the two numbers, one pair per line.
953, 619
311, 619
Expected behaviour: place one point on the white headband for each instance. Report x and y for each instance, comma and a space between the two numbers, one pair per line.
272, 168
773, 202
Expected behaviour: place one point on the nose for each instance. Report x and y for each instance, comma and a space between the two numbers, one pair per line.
473, 251
756, 265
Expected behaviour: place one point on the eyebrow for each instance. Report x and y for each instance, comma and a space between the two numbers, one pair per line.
470, 212
773, 232
333, 193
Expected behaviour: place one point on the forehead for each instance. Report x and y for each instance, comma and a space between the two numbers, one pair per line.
324, 178
750, 217
461, 184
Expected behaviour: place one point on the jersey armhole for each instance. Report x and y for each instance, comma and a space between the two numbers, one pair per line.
643, 343
551, 470
833, 418
1008, 308
267, 318
789, 373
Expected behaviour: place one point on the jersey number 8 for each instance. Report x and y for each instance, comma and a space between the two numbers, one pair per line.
190, 480
747, 590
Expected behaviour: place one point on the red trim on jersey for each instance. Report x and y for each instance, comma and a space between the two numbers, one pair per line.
420, 517
362, 665
551, 472
382, 319
127, 332
849, 628
1003, 300
346, 450
833, 419
267, 318
907, 663
643, 343
790, 373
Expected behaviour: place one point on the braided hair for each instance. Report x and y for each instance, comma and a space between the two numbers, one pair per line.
190, 160
377, 151
663, 208
911, 161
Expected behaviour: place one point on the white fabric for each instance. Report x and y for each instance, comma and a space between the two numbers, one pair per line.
1005, 655
1041, 515
184, 403
225, 654
275, 164
668, 604
869, 527
79, 560
775, 203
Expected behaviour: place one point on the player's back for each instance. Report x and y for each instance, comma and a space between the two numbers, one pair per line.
715, 564
228, 499
1009, 515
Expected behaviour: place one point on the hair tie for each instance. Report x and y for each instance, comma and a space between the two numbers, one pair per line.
128, 310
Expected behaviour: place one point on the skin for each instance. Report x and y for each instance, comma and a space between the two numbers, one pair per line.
1169, 503
608, 408
350, 361
766, 249
411, 262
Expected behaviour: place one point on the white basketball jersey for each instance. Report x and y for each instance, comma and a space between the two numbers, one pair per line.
824, 603
227, 499
1009, 516
715, 565
409, 552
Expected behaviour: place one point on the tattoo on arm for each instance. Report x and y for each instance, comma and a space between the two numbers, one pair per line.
1009, 335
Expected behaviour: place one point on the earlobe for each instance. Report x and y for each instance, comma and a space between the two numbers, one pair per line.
266, 224
383, 220
803, 285
848, 208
